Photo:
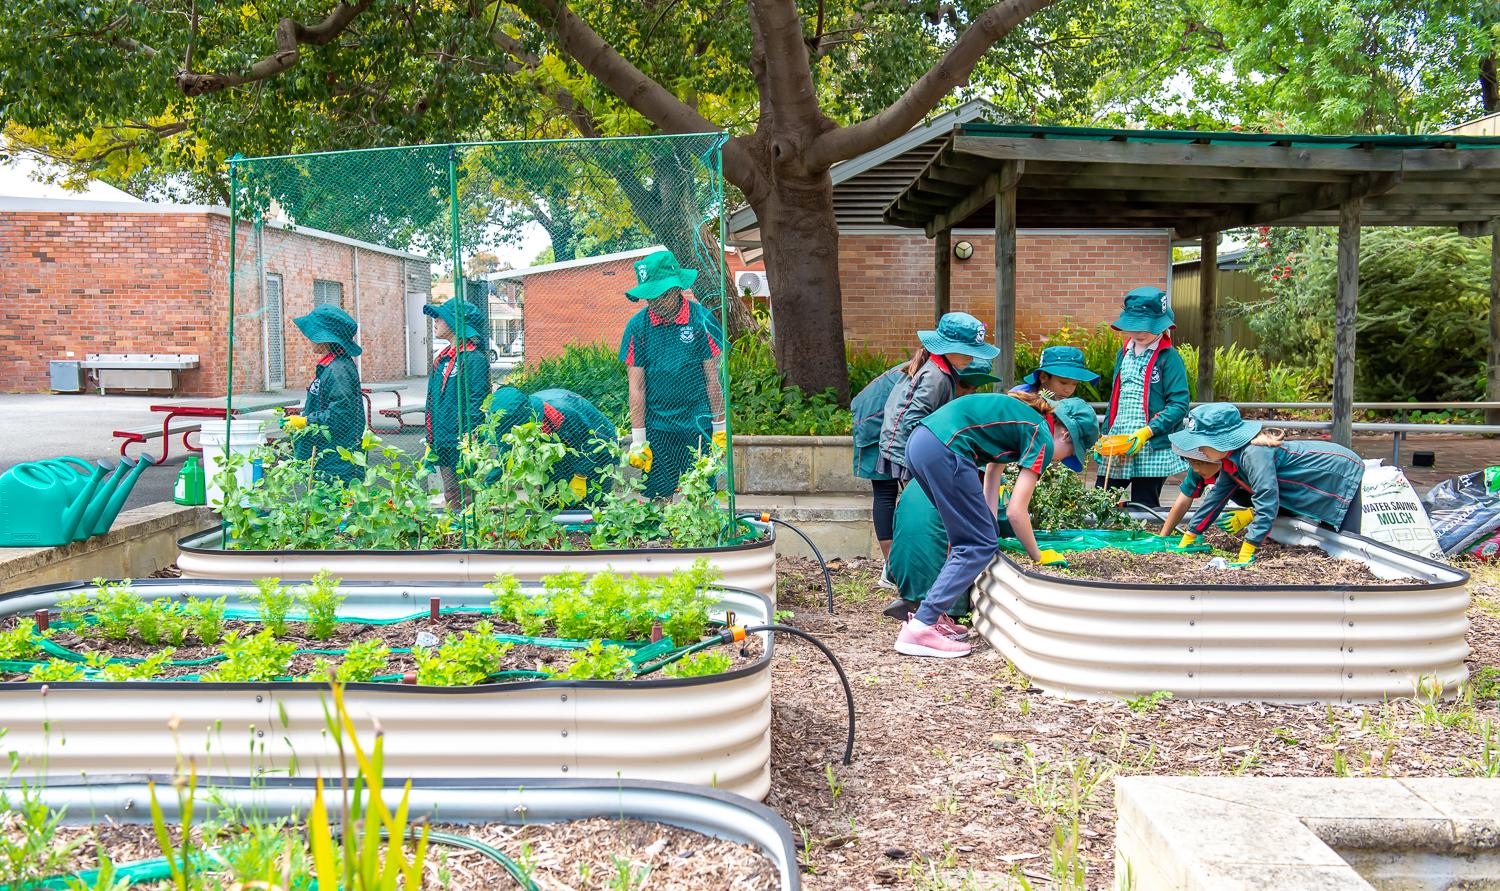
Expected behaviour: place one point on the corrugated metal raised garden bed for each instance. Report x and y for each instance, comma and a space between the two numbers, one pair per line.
1311, 641
458, 704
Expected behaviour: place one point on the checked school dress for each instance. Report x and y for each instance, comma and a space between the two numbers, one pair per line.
1132, 417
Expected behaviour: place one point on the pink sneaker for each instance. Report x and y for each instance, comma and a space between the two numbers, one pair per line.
917, 639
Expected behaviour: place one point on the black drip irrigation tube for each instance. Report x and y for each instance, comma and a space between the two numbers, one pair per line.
832, 660
827, 579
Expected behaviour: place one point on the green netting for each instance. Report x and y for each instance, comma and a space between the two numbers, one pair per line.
369, 293
1132, 540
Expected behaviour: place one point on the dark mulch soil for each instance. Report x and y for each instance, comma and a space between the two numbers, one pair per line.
527, 657
584, 854
962, 771
1274, 564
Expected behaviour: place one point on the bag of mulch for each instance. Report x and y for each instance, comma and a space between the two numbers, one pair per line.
1463, 512
1487, 549
1392, 513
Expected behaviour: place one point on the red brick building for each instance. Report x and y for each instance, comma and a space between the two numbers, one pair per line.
583, 301
1063, 277
80, 277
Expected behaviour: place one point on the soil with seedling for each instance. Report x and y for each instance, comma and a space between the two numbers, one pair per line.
599, 853
1275, 564
402, 635
964, 773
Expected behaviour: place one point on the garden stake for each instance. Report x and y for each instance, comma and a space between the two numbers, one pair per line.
42, 620
433, 605
656, 633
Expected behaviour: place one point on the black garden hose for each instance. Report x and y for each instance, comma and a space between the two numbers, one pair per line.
827, 579
832, 659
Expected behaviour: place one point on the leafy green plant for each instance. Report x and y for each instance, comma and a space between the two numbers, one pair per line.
624, 519
1149, 702
696, 518
512, 604
206, 617
595, 662
462, 661
30, 849
116, 607
1063, 500
273, 603
22, 642
144, 670
700, 664
515, 497
74, 611
682, 602
55, 670
360, 664
259, 658
162, 621
322, 599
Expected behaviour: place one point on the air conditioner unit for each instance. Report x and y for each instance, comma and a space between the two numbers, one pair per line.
753, 283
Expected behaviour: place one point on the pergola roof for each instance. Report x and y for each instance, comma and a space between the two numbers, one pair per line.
1197, 182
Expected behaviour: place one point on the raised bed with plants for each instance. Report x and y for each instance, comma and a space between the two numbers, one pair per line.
593, 676
295, 522
356, 830
1319, 616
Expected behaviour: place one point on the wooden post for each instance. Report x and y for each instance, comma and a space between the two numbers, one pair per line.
1346, 305
1005, 274
942, 273
1493, 394
1208, 314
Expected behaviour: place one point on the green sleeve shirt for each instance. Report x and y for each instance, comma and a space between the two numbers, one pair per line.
672, 353
993, 428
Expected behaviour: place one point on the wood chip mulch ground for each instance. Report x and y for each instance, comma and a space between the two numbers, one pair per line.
964, 775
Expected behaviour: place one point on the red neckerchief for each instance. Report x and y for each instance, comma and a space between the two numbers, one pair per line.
1163, 343
327, 360
684, 315
450, 353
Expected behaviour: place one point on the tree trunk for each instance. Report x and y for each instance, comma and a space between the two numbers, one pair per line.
802, 267
1489, 85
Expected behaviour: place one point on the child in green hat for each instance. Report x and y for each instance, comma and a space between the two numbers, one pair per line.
945, 453
573, 419
334, 398
1149, 400
1059, 372
930, 382
671, 350
457, 387
1319, 481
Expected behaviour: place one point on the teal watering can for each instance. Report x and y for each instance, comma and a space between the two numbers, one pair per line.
62, 500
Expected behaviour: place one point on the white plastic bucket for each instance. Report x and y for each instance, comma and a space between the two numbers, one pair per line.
220, 438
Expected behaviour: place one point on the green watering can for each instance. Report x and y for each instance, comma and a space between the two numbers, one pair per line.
62, 500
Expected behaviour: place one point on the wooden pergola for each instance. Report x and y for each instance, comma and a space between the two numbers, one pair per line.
1199, 184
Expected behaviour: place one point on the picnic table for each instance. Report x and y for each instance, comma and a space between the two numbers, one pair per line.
396, 413
186, 417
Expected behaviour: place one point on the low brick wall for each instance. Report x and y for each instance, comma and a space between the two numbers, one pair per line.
142, 541
796, 465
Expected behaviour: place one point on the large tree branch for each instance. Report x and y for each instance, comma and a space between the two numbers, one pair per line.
291, 35
519, 59
952, 70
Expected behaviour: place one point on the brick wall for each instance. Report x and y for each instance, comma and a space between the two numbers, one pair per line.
887, 282
158, 282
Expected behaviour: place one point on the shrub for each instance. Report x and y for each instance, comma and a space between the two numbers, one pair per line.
593, 371
1063, 500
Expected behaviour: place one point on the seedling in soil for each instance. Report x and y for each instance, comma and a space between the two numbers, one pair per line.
322, 599
461, 661
259, 658
22, 642
29, 848
1487, 765
273, 603
206, 618
1148, 703
627, 877
701, 664
835, 785
362, 662
143, 670
55, 671
116, 608
596, 662
1285, 736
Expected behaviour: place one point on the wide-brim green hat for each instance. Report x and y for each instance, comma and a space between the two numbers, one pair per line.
1217, 425
511, 408
978, 373
1082, 424
657, 273
1146, 309
475, 324
1063, 361
958, 332
329, 324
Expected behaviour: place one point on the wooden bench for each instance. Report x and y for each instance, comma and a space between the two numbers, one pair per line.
164, 431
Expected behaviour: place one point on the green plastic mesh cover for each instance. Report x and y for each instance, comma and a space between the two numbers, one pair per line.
1133, 540
457, 378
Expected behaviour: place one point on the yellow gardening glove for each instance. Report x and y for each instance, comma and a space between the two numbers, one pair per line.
1246, 557
1052, 558
1235, 521
640, 457
721, 434
1187, 541
579, 485
294, 422
1138, 440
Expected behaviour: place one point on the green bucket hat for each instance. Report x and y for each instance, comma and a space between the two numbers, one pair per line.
475, 323
1216, 425
329, 324
1063, 361
958, 332
1082, 424
1146, 309
978, 373
658, 273
512, 408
